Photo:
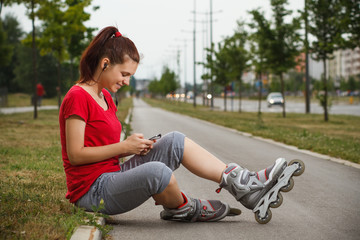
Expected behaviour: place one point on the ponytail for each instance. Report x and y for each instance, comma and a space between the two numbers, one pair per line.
108, 43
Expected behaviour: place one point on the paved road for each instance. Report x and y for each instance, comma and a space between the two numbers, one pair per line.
324, 203
291, 106
25, 109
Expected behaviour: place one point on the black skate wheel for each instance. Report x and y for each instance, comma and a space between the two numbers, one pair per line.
265, 219
165, 216
233, 212
289, 186
301, 168
278, 202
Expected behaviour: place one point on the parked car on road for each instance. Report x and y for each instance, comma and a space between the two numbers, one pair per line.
275, 98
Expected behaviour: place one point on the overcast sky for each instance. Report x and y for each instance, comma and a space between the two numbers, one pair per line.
160, 27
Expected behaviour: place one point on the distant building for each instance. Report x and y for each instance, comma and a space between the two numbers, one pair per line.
141, 87
300, 60
315, 67
346, 63
351, 62
336, 67
248, 77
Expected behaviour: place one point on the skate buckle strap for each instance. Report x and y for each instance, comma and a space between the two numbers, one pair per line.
226, 172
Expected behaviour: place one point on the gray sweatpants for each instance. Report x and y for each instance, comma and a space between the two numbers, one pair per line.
140, 177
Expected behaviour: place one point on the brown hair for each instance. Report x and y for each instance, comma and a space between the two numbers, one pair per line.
106, 44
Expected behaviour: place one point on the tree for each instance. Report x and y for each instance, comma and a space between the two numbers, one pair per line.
46, 67
53, 39
325, 28
78, 36
295, 81
32, 5
221, 66
237, 56
63, 31
5, 48
218, 64
10, 35
168, 82
259, 48
284, 43
207, 76
350, 22
154, 87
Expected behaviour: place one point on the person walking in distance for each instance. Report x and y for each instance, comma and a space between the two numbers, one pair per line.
40, 92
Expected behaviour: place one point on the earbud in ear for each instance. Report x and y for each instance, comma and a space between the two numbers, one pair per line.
105, 66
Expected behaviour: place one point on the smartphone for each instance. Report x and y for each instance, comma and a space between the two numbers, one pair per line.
155, 137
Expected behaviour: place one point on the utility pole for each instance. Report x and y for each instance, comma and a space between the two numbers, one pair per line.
185, 88
194, 38
205, 87
307, 80
34, 59
185, 63
212, 49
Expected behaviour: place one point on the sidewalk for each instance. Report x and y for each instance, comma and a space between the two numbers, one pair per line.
12, 110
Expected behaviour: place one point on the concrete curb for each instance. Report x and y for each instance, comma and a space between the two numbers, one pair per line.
85, 232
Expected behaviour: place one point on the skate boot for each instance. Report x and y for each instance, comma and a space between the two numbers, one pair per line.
198, 210
260, 190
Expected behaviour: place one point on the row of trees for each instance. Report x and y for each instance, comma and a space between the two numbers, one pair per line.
275, 43
272, 46
167, 83
56, 44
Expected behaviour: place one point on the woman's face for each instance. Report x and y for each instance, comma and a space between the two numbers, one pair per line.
118, 75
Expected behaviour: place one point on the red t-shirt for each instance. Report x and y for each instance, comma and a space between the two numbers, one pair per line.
102, 128
39, 90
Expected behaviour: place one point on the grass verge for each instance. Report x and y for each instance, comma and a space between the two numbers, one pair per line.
32, 179
340, 137
24, 100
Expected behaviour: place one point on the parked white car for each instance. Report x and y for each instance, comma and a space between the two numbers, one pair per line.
275, 98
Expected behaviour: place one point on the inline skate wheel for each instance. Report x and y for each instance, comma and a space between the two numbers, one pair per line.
265, 219
234, 212
301, 168
289, 186
278, 202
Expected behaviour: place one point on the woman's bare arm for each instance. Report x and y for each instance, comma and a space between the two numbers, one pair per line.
79, 155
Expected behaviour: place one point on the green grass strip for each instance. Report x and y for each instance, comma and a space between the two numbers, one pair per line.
32, 178
340, 137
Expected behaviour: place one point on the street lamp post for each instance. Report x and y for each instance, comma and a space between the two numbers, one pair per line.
307, 80
211, 52
194, 39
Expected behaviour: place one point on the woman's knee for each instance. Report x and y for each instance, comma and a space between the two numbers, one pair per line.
158, 176
177, 136
172, 137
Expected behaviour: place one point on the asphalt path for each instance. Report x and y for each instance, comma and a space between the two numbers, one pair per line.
324, 203
13, 110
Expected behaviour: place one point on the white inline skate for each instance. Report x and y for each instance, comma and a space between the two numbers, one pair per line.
259, 191
199, 210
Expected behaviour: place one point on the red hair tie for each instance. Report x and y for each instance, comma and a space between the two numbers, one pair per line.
118, 34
